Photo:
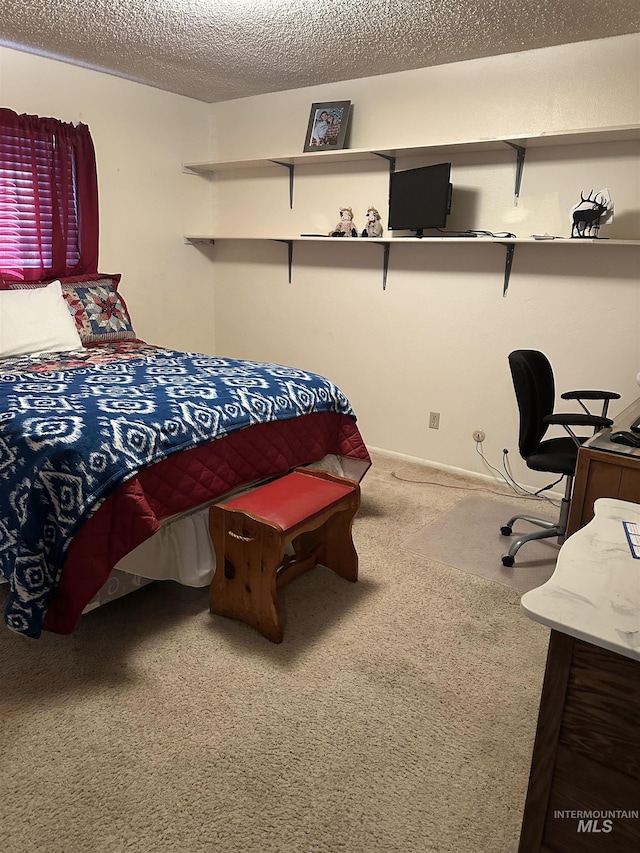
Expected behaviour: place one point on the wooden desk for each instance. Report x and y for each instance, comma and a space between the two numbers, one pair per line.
605, 470
586, 754
601, 474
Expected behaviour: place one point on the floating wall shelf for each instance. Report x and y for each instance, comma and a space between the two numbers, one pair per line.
508, 242
518, 143
627, 133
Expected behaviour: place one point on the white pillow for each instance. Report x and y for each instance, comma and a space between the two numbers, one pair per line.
36, 320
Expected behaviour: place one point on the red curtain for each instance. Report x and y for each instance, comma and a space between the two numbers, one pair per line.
48, 198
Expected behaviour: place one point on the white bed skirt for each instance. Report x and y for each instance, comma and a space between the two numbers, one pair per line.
182, 549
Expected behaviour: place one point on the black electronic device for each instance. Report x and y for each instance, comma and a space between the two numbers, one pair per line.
629, 439
420, 198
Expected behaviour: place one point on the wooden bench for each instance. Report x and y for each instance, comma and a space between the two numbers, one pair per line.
310, 510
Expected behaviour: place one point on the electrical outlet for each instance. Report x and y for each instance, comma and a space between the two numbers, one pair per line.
434, 420
478, 435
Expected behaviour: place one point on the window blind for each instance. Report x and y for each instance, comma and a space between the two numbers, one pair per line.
40, 215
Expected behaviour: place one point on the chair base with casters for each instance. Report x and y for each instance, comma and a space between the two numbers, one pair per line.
549, 530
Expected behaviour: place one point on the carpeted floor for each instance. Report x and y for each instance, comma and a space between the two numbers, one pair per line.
397, 716
468, 538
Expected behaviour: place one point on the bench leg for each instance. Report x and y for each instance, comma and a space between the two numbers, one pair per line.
331, 545
244, 584
338, 552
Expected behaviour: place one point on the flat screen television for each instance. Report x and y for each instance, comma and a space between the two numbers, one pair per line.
420, 198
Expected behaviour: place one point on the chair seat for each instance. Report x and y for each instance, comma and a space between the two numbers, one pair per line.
555, 455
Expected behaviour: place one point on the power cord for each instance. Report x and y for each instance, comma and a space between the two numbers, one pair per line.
523, 493
503, 234
508, 478
505, 462
479, 233
512, 482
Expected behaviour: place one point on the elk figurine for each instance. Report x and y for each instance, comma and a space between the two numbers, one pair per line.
586, 220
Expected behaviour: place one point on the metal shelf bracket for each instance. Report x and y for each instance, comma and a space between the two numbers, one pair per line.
391, 160
508, 263
520, 155
385, 262
290, 167
290, 254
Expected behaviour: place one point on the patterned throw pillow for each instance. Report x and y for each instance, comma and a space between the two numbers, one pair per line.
100, 312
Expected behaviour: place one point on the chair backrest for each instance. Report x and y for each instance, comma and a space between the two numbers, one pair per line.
535, 389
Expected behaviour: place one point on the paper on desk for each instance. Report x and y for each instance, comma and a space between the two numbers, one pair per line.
632, 531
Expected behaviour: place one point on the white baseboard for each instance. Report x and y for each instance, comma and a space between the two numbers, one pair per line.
473, 475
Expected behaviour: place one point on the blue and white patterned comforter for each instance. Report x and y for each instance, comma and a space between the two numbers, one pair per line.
72, 430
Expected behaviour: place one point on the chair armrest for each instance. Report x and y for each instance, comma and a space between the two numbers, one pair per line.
573, 419
576, 419
580, 396
590, 395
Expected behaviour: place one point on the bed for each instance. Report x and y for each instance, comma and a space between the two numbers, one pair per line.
112, 450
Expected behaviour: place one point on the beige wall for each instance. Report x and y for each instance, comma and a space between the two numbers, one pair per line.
438, 338
141, 136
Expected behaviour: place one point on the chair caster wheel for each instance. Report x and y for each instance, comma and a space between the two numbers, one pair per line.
508, 560
506, 530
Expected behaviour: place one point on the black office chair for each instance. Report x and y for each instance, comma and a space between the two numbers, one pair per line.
535, 392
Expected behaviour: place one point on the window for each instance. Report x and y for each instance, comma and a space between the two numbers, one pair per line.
48, 199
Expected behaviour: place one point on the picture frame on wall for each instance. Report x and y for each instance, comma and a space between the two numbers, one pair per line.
327, 128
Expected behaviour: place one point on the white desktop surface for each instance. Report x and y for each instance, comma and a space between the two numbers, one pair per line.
594, 592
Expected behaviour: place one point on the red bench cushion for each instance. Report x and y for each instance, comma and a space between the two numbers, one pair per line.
291, 500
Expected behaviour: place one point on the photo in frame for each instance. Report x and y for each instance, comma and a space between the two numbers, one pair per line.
327, 129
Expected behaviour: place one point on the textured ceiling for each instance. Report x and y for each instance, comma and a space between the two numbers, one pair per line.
217, 50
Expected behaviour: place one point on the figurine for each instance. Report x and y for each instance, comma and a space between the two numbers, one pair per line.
346, 227
373, 227
589, 214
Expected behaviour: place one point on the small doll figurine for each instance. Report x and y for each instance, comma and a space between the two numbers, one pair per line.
346, 227
373, 227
